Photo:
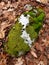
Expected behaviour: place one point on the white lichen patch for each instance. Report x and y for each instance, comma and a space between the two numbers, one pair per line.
24, 20
26, 38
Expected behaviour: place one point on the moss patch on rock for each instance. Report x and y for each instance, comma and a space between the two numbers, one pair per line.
15, 45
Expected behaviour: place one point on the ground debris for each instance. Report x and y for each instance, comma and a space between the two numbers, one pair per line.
43, 1
19, 61
3, 27
33, 53
39, 55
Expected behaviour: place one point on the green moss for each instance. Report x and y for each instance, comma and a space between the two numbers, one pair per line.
15, 44
35, 23
32, 32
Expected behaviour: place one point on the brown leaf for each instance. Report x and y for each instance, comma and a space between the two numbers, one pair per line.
33, 53
3, 27
39, 47
43, 1
19, 61
41, 63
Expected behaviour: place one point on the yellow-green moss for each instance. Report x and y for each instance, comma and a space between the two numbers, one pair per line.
15, 45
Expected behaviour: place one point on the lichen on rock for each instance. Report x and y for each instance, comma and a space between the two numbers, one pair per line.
16, 44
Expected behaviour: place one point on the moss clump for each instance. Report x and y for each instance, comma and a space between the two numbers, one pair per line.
15, 44
36, 22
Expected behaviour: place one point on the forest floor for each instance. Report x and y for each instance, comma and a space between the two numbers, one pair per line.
39, 53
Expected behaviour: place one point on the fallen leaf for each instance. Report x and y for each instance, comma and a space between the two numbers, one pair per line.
42, 1
3, 27
19, 61
33, 53
41, 63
